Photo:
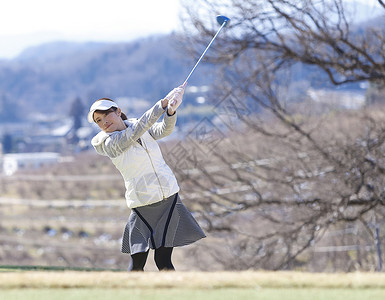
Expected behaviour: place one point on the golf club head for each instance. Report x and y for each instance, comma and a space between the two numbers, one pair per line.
223, 19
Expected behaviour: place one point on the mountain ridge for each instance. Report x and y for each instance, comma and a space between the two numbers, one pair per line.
46, 78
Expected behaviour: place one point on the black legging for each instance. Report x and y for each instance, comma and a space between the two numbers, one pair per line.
162, 258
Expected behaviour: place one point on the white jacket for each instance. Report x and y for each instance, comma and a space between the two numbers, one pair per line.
147, 177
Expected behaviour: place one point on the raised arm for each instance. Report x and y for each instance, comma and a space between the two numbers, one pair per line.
113, 144
162, 129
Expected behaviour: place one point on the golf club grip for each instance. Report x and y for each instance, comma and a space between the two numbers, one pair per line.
204, 52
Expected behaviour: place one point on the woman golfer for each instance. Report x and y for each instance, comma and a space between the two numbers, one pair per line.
158, 218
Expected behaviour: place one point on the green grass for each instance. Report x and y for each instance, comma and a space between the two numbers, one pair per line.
188, 294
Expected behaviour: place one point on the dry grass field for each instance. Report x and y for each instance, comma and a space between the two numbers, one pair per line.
189, 280
189, 285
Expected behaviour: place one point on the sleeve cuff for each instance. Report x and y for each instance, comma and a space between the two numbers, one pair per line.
169, 114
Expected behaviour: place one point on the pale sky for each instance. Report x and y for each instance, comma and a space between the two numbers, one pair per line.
25, 23
32, 22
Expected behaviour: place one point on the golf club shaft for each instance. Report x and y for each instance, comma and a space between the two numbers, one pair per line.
203, 54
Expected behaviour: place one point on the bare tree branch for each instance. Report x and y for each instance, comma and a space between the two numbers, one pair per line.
284, 176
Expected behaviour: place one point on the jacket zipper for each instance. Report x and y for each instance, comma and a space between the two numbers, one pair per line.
143, 144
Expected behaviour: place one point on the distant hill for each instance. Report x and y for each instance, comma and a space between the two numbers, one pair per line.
51, 52
48, 77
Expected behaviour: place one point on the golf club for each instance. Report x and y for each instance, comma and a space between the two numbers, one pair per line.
223, 21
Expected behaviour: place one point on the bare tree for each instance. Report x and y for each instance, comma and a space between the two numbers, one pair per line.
285, 173
319, 33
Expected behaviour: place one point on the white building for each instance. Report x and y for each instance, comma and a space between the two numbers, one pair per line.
18, 161
338, 99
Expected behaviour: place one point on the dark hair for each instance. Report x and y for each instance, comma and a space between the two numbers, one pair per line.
122, 115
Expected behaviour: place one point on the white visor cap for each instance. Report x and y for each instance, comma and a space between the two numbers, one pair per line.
100, 105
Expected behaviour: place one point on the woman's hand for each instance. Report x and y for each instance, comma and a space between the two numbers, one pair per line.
175, 98
164, 103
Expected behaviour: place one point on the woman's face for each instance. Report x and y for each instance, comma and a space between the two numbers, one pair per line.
109, 121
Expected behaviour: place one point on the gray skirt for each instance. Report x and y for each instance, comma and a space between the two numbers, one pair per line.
167, 223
